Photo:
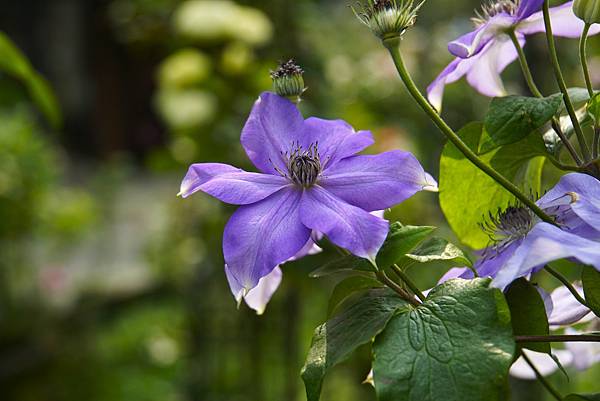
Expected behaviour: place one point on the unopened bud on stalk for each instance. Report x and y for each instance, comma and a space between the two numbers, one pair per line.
587, 10
288, 81
387, 19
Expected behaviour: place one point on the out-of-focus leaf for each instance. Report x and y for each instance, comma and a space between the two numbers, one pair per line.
582, 397
528, 313
336, 339
14, 63
458, 345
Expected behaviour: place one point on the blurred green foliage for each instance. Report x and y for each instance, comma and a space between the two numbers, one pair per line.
111, 287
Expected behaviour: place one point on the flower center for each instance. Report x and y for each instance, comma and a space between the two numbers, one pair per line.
493, 8
508, 225
304, 166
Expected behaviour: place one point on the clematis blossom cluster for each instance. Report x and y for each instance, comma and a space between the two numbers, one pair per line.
482, 55
522, 244
311, 180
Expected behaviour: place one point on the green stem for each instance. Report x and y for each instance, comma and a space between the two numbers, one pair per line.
537, 93
596, 144
542, 379
562, 85
562, 338
583, 58
567, 284
399, 290
565, 167
408, 282
524, 65
392, 45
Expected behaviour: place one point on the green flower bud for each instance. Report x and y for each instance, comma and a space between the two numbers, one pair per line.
288, 81
587, 10
388, 18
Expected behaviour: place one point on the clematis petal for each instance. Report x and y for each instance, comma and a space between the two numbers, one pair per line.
546, 243
472, 43
336, 139
528, 7
581, 192
258, 297
260, 236
482, 70
273, 125
484, 75
566, 309
452, 73
585, 355
564, 23
495, 259
456, 272
229, 184
375, 182
542, 361
347, 226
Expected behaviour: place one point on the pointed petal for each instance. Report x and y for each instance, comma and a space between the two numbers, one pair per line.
345, 225
542, 361
529, 7
456, 272
260, 236
582, 192
564, 23
229, 184
494, 259
484, 75
472, 43
452, 73
336, 139
258, 297
546, 243
566, 309
375, 182
273, 125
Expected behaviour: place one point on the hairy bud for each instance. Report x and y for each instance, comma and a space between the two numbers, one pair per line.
387, 18
288, 81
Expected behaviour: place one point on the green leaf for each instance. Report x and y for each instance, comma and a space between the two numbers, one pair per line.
591, 288
593, 108
579, 97
14, 63
400, 241
528, 313
512, 118
336, 339
582, 397
347, 263
467, 194
456, 346
345, 288
436, 249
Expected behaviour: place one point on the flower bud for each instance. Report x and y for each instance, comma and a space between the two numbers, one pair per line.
587, 10
288, 81
388, 19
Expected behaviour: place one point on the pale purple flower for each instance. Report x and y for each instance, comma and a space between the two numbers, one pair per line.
563, 309
484, 53
310, 180
580, 355
523, 244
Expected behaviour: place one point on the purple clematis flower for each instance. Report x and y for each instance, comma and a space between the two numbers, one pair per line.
522, 244
484, 53
311, 180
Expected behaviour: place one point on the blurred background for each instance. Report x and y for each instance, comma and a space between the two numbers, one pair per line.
111, 287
